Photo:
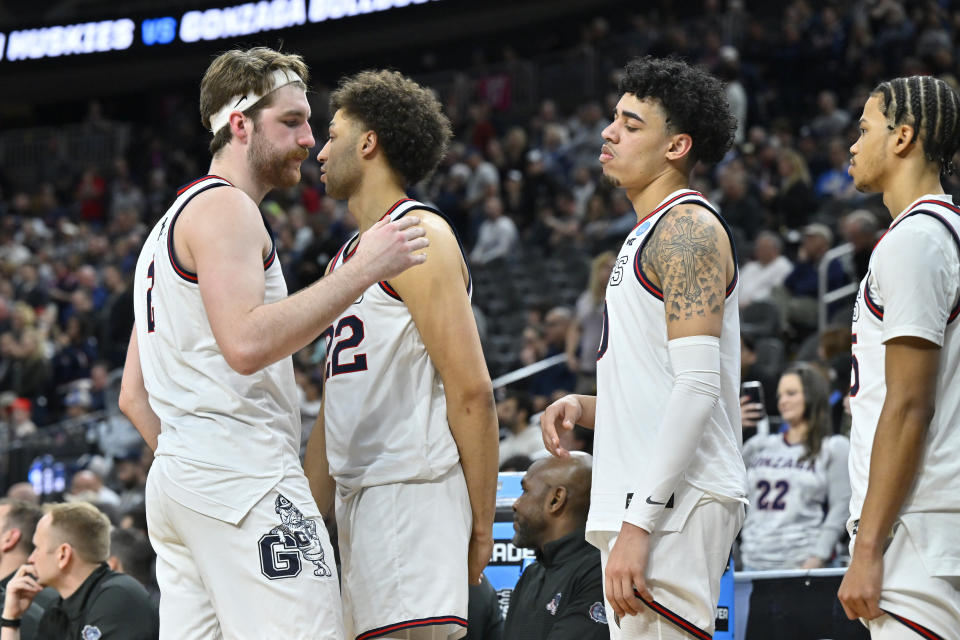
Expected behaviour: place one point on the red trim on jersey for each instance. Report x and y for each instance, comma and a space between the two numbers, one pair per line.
920, 629
736, 279
642, 278
199, 180
874, 308
410, 624
340, 252
394, 207
903, 215
669, 202
180, 271
911, 212
676, 619
390, 291
853, 338
645, 282
270, 258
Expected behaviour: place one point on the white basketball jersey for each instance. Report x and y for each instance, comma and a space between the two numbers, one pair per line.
787, 500
912, 288
229, 436
634, 381
384, 406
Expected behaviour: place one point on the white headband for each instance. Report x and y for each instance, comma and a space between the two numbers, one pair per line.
279, 78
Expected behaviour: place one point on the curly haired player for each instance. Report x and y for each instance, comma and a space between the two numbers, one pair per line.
669, 483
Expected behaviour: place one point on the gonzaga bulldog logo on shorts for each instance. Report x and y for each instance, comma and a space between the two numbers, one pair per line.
295, 537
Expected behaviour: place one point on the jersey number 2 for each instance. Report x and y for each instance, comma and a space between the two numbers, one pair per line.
351, 341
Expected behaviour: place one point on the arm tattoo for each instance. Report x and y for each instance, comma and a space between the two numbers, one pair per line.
684, 253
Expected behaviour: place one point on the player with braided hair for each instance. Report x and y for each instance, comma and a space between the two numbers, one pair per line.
932, 108
904, 443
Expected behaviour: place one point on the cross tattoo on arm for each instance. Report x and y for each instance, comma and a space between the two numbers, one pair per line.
689, 246
685, 255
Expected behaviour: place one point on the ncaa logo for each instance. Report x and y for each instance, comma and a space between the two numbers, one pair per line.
642, 229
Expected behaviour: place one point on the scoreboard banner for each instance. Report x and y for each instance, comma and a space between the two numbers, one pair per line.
204, 25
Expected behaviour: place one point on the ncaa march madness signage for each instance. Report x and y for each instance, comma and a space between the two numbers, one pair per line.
193, 26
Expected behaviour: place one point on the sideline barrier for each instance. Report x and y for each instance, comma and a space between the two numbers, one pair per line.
793, 605
527, 371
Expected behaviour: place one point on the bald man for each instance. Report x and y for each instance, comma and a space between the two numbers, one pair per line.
560, 596
88, 486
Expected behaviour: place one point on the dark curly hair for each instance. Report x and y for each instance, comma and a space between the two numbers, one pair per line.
693, 100
407, 118
932, 108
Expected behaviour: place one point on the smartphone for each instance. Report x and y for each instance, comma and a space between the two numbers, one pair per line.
754, 390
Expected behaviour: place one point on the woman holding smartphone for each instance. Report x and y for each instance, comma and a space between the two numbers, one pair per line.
797, 480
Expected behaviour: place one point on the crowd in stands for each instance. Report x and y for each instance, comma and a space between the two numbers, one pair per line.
520, 184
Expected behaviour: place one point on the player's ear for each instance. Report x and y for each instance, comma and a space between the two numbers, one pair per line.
239, 125
64, 554
905, 139
558, 498
368, 143
9, 539
680, 145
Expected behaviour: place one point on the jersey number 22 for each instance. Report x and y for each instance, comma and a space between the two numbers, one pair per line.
349, 335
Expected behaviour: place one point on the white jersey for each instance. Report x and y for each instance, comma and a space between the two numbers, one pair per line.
634, 381
385, 410
787, 522
912, 288
230, 437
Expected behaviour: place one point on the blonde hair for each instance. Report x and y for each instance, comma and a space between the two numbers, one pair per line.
83, 527
798, 169
238, 72
597, 285
26, 314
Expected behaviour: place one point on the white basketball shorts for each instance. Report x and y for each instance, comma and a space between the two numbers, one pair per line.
403, 555
271, 576
688, 555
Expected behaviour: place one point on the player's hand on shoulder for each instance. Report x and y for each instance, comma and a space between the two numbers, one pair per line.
562, 414
389, 248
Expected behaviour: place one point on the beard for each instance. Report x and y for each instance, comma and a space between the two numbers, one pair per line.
343, 179
272, 166
610, 181
525, 535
